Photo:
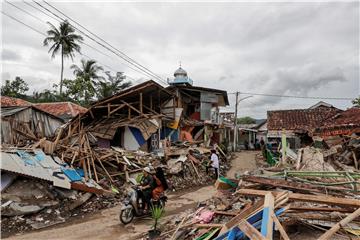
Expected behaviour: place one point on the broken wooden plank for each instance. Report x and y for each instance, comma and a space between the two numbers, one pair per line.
306, 197
280, 227
243, 214
250, 231
178, 227
327, 235
267, 221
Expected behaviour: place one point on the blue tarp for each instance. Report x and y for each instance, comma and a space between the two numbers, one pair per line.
72, 174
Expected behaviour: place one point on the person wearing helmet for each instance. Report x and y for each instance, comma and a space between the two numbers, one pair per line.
146, 183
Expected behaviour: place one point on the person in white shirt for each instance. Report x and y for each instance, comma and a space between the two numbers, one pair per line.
214, 163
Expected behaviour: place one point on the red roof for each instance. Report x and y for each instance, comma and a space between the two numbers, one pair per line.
300, 120
348, 119
10, 102
61, 109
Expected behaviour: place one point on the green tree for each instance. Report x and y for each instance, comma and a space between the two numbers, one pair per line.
356, 102
16, 88
112, 85
87, 75
246, 120
64, 41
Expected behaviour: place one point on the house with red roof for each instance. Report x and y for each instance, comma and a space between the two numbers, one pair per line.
298, 124
12, 102
64, 110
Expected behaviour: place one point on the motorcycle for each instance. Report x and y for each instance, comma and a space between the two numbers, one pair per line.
134, 207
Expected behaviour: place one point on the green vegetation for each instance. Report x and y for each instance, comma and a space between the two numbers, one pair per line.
16, 88
91, 83
246, 120
356, 102
156, 213
64, 41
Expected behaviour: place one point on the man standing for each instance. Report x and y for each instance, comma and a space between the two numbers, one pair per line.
214, 163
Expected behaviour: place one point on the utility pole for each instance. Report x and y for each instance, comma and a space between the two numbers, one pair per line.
235, 120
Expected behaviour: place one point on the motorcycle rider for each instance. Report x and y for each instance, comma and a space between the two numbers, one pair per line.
160, 184
146, 183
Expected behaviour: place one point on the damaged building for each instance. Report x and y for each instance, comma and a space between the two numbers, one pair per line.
131, 119
21, 123
298, 124
196, 111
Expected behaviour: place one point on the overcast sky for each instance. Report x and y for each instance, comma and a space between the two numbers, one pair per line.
305, 49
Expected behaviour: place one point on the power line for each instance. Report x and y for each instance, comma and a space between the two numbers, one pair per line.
62, 19
124, 56
27, 3
293, 96
147, 74
42, 21
43, 34
24, 11
15, 19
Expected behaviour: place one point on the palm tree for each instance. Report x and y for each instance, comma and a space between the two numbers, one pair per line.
87, 74
112, 85
65, 41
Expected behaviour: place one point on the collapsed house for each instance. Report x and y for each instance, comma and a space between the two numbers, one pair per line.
343, 123
131, 119
297, 124
197, 111
21, 123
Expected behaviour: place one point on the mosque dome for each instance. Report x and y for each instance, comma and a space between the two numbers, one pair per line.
180, 72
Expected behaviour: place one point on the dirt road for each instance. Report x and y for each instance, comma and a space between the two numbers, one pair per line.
244, 161
106, 225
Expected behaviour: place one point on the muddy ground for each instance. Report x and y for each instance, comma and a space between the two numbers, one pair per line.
106, 224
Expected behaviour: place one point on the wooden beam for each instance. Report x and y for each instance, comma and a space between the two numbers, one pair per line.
136, 110
151, 102
109, 109
280, 228
267, 221
306, 198
327, 235
117, 109
319, 209
243, 214
250, 231
91, 113
141, 103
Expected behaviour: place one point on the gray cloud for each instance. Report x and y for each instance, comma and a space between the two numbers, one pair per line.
306, 49
9, 55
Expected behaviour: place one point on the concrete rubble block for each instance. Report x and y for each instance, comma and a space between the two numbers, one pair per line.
15, 209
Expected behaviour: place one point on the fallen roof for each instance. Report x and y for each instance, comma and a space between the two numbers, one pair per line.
349, 118
9, 111
302, 120
10, 101
39, 166
61, 109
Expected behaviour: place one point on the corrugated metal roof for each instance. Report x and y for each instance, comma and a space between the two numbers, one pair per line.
37, 165
8, 111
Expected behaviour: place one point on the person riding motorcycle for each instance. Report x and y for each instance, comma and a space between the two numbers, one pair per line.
146, 187
160, 184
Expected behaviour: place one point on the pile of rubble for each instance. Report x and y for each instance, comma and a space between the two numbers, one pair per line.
316, 188
40, 190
